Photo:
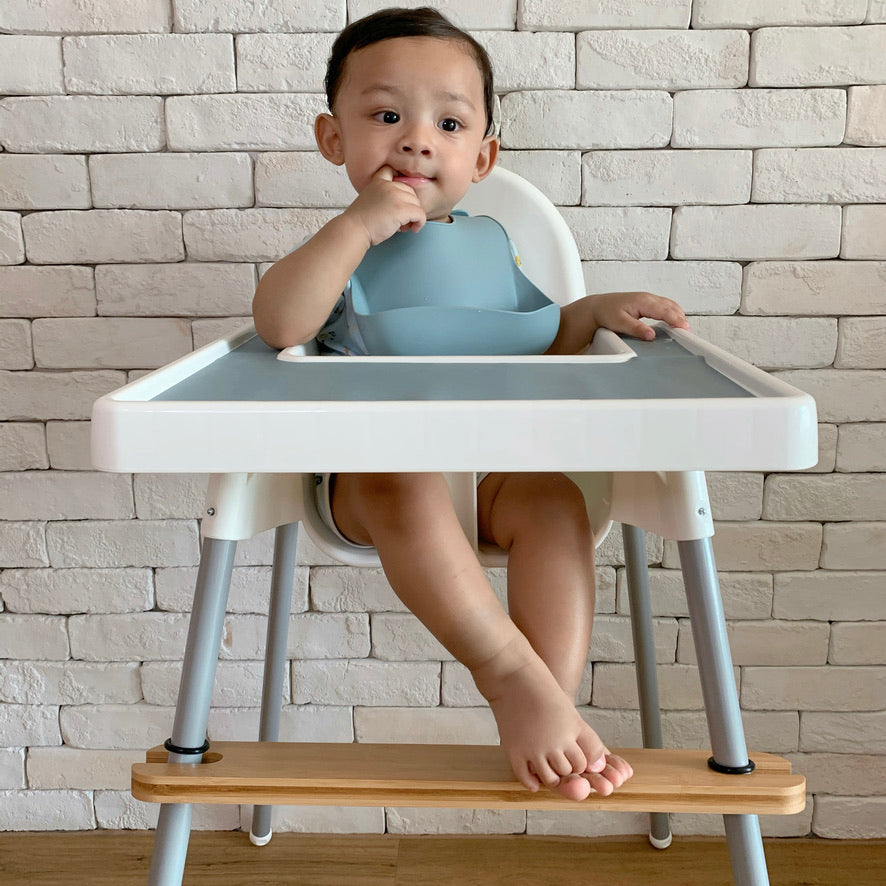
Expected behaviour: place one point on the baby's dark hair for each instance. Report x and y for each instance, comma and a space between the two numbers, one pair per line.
386, 24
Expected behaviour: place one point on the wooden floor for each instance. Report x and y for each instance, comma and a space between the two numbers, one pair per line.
121, 858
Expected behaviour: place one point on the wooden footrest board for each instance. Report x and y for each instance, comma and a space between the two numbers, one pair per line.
470, 776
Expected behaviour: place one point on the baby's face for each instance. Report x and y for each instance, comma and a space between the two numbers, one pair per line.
415, 104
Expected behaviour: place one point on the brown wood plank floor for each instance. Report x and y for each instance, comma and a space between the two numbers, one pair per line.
121, 858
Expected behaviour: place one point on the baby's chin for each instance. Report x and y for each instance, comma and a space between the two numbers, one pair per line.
439, 213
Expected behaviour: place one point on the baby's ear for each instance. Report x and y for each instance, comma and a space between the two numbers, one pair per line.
328, 136
486, 158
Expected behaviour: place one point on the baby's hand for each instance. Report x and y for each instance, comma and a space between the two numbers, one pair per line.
621, 312
384, 207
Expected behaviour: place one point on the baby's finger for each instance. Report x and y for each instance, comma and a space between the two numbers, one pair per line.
675, 317
416, 222
636, 327
384, 174
667, 310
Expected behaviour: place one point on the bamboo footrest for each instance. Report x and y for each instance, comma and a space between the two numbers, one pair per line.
471, 776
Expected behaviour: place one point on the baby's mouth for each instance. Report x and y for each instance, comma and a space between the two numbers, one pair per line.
411, 178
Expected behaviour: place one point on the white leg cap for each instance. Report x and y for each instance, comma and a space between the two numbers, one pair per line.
661, 844
260, 841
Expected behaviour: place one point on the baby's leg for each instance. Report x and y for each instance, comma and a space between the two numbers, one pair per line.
540, 519
433, 569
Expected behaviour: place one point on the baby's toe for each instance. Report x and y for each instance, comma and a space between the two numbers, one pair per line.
573, 787
545, 773
576, 758
561, 764
591, 746
525, 775
614, 774
598, 782
617, 770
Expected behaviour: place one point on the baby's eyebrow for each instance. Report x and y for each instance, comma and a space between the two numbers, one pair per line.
458, 97
380, 87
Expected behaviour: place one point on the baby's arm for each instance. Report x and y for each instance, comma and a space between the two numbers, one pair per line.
295, 296
618, 311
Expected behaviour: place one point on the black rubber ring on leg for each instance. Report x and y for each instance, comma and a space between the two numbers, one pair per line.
731, 770
175, 749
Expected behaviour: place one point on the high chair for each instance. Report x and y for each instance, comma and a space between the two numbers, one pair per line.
672, 503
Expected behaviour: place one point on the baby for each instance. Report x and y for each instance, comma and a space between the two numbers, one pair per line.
411, 101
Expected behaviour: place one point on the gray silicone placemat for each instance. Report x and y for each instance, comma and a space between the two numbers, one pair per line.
662, 369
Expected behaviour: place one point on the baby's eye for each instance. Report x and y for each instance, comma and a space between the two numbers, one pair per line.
450, 125
388, 117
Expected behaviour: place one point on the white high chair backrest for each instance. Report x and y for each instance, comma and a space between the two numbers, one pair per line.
543, 239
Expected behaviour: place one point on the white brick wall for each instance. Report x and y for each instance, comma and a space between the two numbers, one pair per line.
156, 154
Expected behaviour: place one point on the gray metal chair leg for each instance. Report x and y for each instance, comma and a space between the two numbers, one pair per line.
644, 653
285, 542
192, 708
721, 702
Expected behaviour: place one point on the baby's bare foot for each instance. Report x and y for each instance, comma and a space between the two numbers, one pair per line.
545, 738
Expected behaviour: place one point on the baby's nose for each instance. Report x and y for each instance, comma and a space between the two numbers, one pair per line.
414, 147
415, 141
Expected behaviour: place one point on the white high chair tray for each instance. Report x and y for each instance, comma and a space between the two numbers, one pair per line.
674, 404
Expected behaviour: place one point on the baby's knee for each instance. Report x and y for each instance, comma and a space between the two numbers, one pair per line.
396, 497
567, 498
553, 502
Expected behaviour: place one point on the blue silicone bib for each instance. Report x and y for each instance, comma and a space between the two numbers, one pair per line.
451, 288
